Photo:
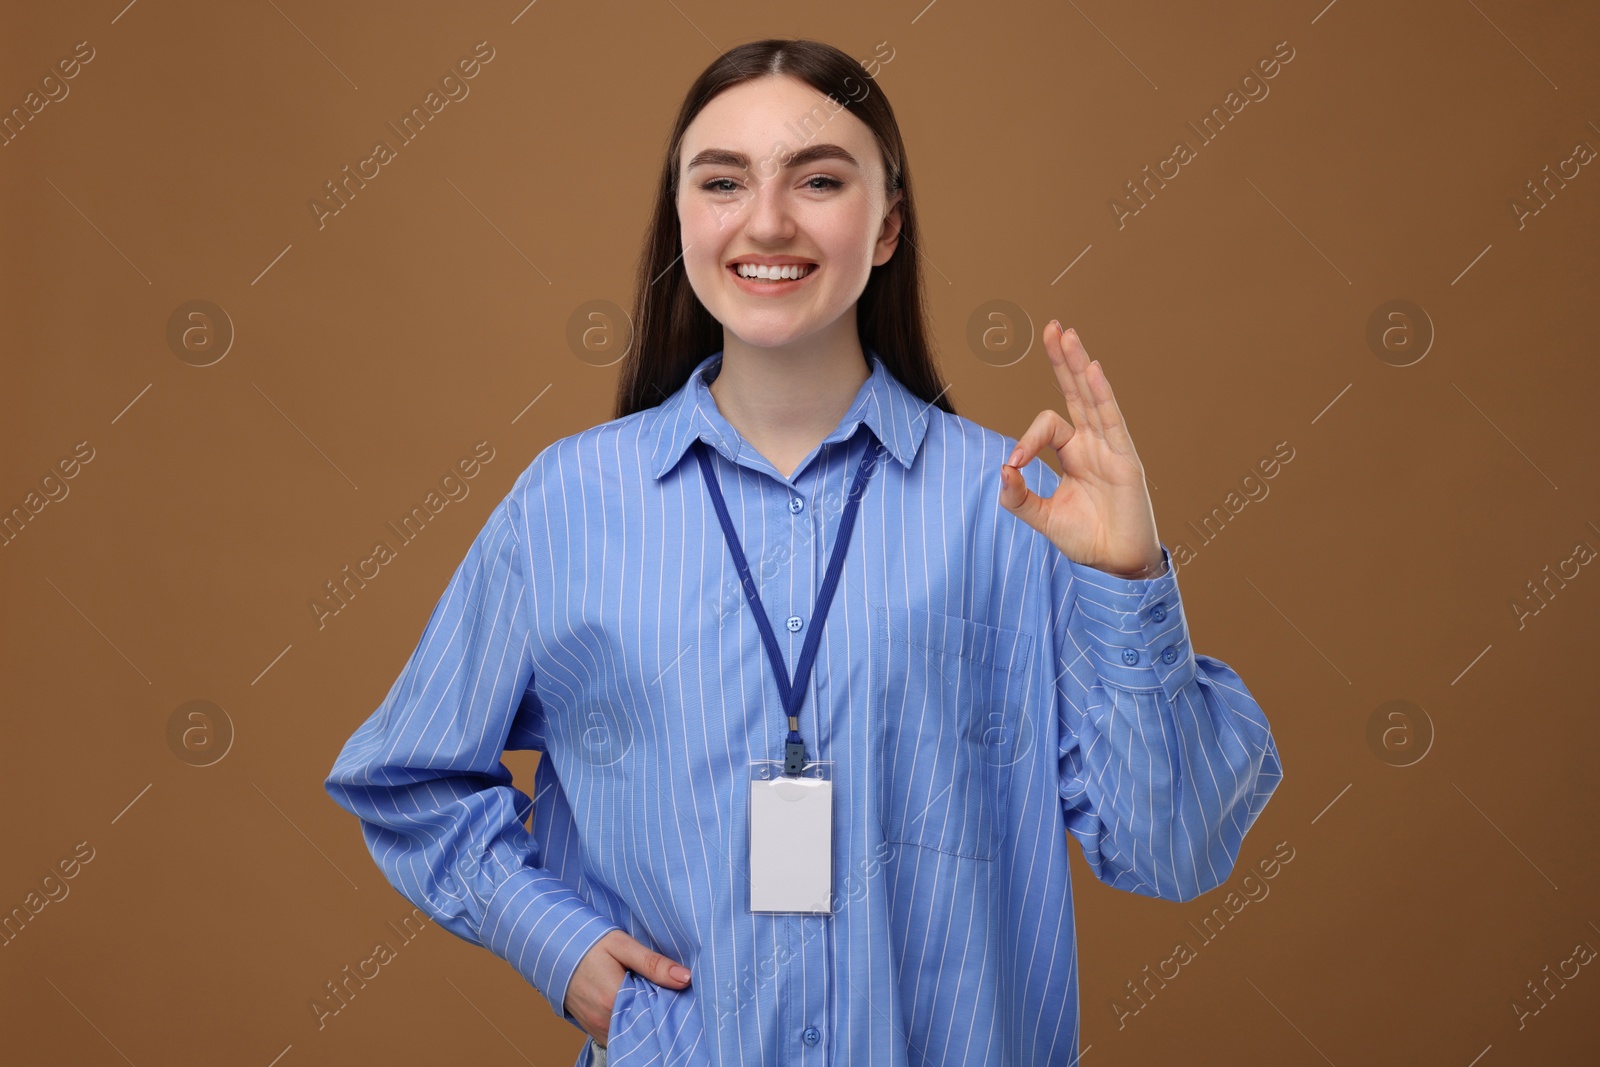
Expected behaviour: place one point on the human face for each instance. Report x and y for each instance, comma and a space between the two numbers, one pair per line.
775, 172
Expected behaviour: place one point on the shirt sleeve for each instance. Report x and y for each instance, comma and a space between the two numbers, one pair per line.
437, 808
1165, 759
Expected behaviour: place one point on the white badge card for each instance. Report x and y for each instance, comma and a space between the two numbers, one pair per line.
791, 838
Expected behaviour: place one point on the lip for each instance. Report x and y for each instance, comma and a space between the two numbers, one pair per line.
757, 288
771, 261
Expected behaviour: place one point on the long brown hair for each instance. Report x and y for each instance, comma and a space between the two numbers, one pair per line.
674, 331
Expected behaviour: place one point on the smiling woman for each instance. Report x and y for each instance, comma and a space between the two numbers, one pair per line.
793, 265
825, 818
746, 179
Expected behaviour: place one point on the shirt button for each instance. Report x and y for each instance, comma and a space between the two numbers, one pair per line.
794, 624
1158, 613
811, 1035
1130, 656
1169, 654
796, 504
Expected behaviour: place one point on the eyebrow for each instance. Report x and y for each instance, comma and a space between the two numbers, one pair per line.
723, 157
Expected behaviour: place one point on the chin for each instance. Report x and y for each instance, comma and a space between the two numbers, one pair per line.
771, 329
759, 337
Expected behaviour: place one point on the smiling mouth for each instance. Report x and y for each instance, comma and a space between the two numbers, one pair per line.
761, 275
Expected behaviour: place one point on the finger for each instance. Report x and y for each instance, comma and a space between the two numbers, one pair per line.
652, 965
1113, 427
1048, 430
1067, 380
1077, 359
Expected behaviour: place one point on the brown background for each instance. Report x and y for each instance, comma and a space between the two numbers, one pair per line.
1231, 313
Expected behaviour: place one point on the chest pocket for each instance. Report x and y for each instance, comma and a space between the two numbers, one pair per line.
953, 691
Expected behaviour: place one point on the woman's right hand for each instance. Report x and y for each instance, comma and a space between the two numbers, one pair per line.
592, 992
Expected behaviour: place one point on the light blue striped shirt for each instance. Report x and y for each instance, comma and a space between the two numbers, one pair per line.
979, 695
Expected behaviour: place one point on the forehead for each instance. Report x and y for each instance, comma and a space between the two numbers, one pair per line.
755, 116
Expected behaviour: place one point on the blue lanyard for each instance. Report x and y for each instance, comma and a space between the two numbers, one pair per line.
792, 695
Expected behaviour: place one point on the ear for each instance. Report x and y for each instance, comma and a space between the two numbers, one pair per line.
889, 236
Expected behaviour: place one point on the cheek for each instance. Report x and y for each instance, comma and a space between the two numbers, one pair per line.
848, 236
711, 221
696, 242
706, 231
702, 246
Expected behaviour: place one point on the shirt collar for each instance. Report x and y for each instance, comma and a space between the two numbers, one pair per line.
897, 417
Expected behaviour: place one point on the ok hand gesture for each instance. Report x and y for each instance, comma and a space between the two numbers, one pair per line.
1100, 514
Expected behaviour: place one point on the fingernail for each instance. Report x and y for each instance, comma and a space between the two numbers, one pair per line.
1016, 454
679, 974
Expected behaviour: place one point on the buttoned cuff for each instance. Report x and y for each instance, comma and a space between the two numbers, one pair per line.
1139, 633
537, 923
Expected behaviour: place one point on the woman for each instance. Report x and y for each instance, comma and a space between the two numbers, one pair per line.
1006, 656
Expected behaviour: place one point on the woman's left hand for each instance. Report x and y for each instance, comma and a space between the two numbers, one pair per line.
1100, 514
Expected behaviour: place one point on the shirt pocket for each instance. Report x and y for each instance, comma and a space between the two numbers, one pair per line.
952, 715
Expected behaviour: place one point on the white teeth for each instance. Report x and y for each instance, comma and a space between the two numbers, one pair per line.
749, 270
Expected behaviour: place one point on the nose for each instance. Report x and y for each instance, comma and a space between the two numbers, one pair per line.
770, 219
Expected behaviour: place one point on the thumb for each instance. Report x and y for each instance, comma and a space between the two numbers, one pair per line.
650, 964
1017, 498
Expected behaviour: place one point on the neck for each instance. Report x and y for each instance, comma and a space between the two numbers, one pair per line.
784, 401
